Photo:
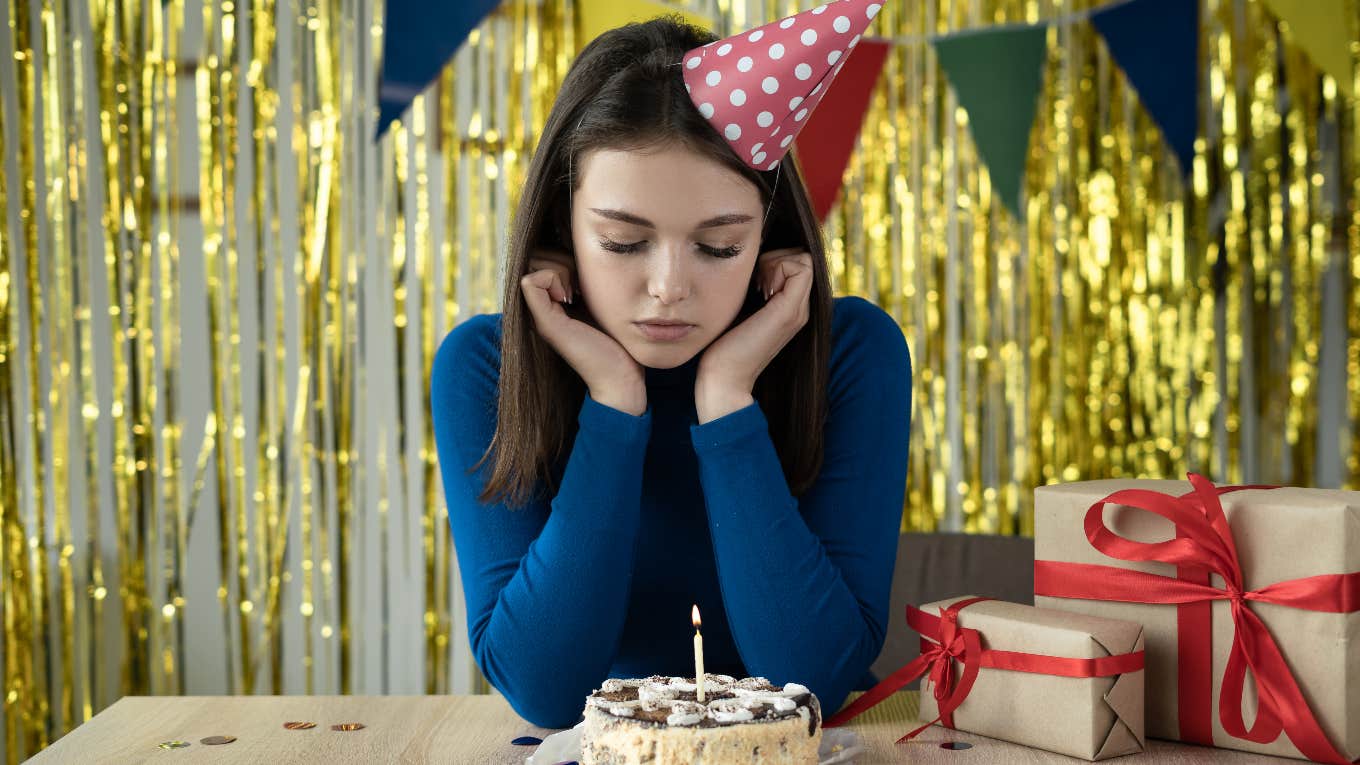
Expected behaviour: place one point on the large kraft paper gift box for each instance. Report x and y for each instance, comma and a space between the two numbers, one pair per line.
1248, 595
1065, 682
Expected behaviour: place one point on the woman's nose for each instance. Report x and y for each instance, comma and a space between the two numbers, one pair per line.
669, 279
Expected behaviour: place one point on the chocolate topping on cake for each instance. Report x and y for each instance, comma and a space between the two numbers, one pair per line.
663, 700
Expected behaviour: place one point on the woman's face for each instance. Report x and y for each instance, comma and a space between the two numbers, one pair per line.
663, 235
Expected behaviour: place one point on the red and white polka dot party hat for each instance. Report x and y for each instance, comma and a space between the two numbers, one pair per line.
758, 88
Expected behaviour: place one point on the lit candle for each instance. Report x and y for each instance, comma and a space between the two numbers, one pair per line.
698, 656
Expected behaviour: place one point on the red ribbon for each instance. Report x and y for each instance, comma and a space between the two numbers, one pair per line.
1204, 545
943, 642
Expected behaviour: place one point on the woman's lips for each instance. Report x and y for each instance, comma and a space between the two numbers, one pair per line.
664, 332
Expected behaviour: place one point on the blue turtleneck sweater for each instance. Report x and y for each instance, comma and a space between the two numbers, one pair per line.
655, 513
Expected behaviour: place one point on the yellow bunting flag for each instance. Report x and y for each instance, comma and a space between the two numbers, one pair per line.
1318, 26
596, 16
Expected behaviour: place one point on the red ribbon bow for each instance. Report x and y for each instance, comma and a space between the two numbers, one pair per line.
943, 642
1203, 546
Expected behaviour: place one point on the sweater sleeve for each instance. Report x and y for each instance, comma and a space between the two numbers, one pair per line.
806, 581
547, 584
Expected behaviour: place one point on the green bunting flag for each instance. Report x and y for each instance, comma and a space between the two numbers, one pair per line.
1319, 26
996, 75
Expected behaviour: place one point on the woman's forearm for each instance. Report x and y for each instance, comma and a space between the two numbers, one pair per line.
547, 587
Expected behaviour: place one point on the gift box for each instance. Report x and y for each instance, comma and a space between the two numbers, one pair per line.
1066, 682
1249, 597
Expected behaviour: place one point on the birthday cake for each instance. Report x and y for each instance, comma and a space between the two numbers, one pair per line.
660, 721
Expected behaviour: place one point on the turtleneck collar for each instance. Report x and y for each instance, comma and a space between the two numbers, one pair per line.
681, 376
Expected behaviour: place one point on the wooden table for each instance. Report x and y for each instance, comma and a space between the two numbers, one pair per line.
463, 729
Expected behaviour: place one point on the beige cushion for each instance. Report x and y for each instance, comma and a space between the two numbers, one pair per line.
931, 567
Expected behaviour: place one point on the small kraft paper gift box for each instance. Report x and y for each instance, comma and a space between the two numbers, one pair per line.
1066, 682
1250, 597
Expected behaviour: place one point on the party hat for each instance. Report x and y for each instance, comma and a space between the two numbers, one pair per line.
758, 88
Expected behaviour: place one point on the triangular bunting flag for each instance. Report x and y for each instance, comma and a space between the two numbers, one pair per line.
594, 17
996, 74
828, 139
418, 39
1156, 43
1318, 27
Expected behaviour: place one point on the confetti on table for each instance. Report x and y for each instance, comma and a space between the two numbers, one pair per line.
173, 744
217, 740
347, 726
299, 725
527, 741
956, 745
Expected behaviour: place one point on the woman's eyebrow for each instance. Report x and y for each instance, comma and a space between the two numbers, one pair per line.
627, 217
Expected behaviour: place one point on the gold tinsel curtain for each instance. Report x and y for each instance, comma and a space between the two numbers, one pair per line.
219, 300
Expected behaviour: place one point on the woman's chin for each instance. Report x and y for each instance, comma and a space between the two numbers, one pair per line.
667, 356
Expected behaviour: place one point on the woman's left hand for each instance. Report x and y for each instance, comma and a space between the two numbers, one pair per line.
732, 363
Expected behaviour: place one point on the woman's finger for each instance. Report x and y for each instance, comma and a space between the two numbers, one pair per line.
784, 269
561, 263
776, 282
775, 267
543, 282
557, 289
566, 280
768, 271
795, 277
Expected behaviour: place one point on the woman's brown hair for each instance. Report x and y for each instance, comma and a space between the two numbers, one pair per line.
624, 92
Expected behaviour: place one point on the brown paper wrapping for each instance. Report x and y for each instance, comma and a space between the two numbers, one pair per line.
1093, 718
1280, 534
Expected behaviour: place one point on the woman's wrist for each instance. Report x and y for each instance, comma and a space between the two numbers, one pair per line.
712, 402
631, 399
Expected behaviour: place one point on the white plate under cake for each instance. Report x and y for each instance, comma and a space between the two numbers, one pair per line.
658, 721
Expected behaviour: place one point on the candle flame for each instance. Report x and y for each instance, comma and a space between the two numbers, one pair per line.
694, 617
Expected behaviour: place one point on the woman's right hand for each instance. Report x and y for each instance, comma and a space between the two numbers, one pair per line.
613, 376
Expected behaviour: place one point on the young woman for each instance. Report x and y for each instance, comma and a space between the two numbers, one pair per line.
672, 410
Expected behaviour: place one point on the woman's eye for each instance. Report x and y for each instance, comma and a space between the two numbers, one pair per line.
717, 252
725, 252
613, 246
